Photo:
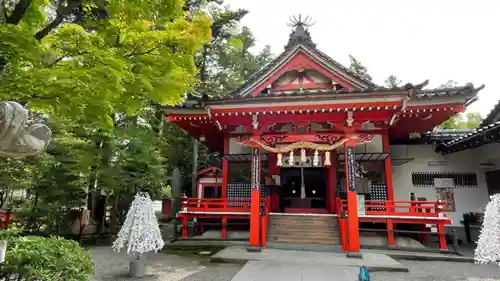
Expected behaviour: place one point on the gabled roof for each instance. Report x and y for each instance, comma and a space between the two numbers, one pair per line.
300, 42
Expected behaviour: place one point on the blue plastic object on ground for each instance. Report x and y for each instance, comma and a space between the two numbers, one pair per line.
364, 274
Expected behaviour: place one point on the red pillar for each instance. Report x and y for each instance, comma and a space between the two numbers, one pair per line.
254, 241
388, 167
352, 199
225, 166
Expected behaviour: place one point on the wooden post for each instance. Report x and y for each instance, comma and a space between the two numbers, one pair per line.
185, 232
332, 182
176, 183
194, 171
390, 233
442, 236
254, 241
388, 168
223, 233
225, 167
352, 199
343, 234
263, 232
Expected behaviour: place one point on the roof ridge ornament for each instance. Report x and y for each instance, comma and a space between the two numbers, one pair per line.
300, 33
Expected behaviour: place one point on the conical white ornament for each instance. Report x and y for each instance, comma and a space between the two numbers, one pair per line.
488, 245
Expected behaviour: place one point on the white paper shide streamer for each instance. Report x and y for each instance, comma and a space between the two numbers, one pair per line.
488, 245
140, 232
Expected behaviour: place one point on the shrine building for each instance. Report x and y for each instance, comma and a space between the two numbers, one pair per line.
313, 153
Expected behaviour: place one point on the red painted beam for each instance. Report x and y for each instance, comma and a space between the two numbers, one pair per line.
328, 107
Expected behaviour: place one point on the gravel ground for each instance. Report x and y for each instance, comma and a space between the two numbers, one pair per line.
442, 271
110, 265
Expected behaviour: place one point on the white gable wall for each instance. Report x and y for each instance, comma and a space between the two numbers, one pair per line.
466, 199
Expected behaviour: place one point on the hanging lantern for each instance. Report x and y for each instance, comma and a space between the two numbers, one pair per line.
327, 159
290, 160
316, 158
280, 161
303, 157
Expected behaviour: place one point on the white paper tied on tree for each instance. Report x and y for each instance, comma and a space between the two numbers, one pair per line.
140, 232
3, 250
488, 245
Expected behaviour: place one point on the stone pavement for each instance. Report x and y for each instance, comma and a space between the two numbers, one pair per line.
421, 256
374, 261
282, 271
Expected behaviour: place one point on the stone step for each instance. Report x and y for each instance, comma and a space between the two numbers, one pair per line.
304, 230
302, 223
307, 240
285, 217
325, 230
330, 221
303, 226
304, 218
305, 235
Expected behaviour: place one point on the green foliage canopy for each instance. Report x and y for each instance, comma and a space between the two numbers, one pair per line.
89, 59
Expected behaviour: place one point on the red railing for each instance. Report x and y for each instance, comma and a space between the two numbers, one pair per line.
399, 207
215, 204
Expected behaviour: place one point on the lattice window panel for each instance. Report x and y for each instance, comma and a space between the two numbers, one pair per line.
426, 179
239, 194
378, 192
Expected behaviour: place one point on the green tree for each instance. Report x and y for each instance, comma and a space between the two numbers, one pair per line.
392, 81
224, 64
468, 120
90, 59
460, 121
358, 68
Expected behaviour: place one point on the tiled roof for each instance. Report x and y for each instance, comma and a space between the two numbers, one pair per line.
467, 90
475, 138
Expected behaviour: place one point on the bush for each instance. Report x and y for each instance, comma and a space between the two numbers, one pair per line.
48, 258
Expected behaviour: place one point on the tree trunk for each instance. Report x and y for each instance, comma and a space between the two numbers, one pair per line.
113, 225
176, 182
196, 145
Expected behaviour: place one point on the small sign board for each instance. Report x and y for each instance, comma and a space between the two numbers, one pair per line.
444, 183
361, 205
351, 179
256, 169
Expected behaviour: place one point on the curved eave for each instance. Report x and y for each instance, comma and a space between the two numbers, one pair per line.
480, 136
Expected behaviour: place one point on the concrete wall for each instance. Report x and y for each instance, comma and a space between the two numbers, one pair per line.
466, 199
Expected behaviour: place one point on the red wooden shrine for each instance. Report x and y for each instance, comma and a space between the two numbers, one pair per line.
306, 107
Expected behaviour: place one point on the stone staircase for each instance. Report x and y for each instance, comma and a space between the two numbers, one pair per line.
304, 229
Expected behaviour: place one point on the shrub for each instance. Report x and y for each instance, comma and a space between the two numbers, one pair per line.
48, 258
